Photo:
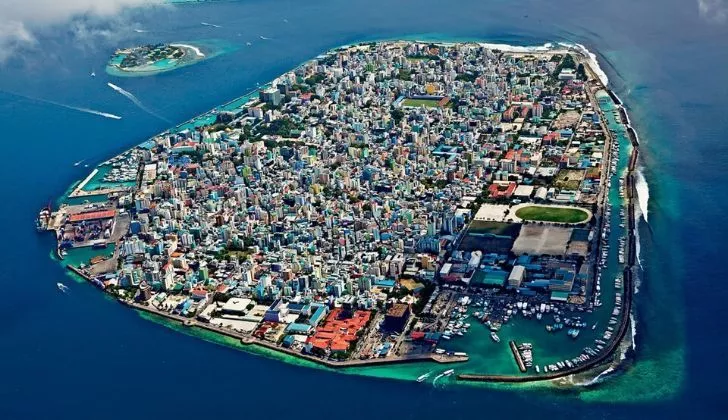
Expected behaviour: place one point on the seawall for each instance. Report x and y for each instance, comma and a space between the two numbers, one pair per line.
249, 340
628, 274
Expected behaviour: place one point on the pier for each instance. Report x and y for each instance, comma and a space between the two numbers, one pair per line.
517, 356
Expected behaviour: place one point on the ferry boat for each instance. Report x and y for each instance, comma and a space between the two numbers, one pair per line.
44, 217
495, 337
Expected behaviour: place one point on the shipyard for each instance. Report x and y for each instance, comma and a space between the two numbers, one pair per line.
383, 203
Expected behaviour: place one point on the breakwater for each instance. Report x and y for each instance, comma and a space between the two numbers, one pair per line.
628, 274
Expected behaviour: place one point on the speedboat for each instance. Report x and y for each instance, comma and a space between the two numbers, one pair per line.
62, 287
448, 372
495, 337
422, 378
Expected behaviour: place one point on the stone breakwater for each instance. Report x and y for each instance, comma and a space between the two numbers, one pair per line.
629, 279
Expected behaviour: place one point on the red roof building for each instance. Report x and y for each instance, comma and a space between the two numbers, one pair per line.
92, 215
501, 190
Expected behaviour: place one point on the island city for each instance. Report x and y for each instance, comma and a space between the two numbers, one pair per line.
384, 203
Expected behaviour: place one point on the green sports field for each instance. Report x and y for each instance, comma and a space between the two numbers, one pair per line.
430, 103
552, 214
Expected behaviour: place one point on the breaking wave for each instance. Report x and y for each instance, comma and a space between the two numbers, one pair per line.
643, 192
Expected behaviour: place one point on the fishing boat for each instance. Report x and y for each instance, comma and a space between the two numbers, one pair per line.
495, 337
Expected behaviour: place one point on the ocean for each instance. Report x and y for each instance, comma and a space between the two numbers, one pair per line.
81, 355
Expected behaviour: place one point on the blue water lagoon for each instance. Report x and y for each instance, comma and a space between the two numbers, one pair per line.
77, 354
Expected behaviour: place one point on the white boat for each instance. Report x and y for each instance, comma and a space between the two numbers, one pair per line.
62, 287
93, 73
495, 337
422, 378
448, 372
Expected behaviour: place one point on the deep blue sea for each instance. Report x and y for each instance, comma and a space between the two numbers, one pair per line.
81, 355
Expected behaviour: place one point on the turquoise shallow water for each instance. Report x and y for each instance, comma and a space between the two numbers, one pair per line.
57, 345
211, 48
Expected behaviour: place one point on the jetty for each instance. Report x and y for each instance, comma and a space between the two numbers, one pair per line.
517, 356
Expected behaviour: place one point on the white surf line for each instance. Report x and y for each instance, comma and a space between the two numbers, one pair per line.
192, 47
643, 192
136, 101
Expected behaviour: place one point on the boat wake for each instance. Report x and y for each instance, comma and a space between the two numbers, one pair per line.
210, 24
137, 102
71, 107
92, 111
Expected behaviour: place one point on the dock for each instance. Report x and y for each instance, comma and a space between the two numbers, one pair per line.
624, 324
517, 356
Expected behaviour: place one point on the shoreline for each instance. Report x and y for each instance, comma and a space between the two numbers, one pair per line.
249, 340
588, 58
192, 54
628, 276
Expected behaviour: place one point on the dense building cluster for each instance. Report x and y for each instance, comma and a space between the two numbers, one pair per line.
350, 184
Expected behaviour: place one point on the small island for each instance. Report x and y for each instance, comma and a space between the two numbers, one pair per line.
400, 203
153, 59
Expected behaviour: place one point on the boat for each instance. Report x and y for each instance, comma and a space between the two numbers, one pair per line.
62, 287
424, 377
448, 372
93, 73
495, 337
44, 217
